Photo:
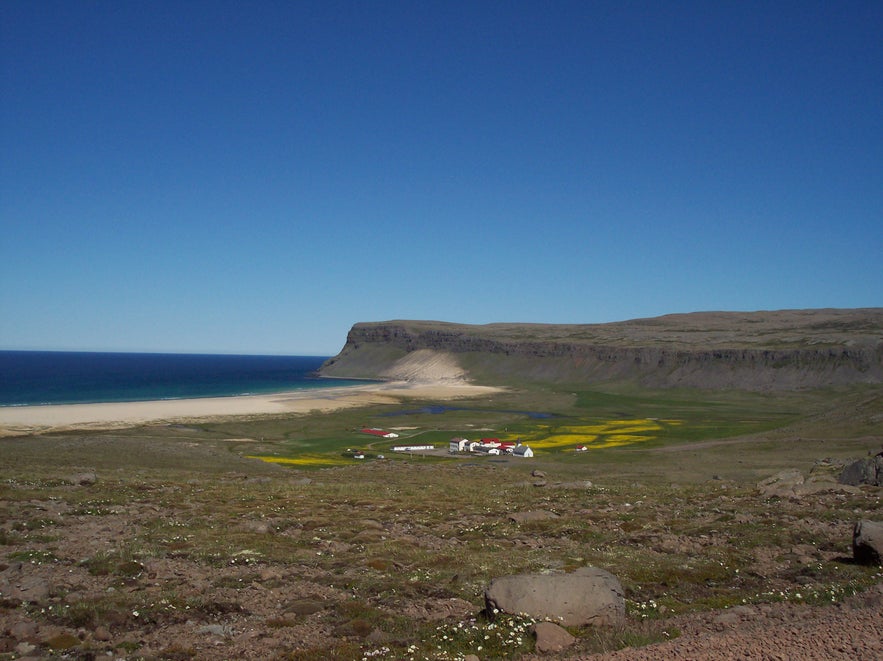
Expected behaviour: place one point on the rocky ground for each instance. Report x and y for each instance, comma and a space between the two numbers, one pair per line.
850, 631
389, 561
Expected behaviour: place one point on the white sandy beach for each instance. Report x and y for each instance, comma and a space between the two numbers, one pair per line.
17, 420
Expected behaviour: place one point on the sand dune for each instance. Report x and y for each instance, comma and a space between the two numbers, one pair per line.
427, 367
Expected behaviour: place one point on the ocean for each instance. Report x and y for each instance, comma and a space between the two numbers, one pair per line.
29, 378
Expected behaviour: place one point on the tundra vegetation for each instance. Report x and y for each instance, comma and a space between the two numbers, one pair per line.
263, 537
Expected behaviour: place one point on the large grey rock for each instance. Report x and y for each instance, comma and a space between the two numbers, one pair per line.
867, 542
863, 471
585, 596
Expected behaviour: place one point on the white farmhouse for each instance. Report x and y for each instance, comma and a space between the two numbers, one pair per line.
458, 445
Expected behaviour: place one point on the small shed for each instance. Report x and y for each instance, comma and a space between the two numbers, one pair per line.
522, 451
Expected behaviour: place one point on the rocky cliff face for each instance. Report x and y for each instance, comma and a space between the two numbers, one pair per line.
754, 351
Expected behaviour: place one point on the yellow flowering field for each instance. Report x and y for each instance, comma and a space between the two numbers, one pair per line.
610, 433
305, 460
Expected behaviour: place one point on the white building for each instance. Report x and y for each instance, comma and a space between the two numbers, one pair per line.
459, 445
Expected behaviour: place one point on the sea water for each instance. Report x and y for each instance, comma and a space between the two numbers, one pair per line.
59, 377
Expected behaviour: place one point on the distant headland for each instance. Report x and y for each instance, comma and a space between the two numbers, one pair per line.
756, 351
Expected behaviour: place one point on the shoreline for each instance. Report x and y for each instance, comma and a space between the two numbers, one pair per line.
28, 420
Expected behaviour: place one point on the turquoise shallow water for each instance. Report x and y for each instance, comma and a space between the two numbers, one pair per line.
61, 377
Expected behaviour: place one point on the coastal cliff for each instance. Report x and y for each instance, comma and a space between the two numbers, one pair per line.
777, 350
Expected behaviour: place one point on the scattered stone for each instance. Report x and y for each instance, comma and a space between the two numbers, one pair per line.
62, 641
15, 583
535, 515
781, 484
213, 629
24, 630
537, 473
304, 607
581, 484
539, 483
471, 657
586, 596
732, 617
368, 537
270, 574
551, 638
257, 527
83, 479
101, 634
25, 648
867, 542
432, 610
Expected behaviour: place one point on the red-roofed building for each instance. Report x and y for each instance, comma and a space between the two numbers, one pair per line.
379, 432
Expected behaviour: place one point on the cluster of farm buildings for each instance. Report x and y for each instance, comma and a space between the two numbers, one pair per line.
490, 446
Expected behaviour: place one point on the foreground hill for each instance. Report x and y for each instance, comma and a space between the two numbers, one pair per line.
745, 350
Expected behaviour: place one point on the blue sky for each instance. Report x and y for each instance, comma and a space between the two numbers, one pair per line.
257, 177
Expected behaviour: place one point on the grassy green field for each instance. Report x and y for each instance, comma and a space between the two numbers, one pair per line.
356, 552
620, 422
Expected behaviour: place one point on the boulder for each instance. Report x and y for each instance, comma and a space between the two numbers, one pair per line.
867, 543
586, 596
863, 471
817, 484
551, 638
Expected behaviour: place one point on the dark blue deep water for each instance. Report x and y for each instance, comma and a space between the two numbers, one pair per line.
61, 377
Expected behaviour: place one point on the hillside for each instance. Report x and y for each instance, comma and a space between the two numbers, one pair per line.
775, 350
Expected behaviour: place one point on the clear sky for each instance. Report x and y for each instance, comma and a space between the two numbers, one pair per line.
255, 177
